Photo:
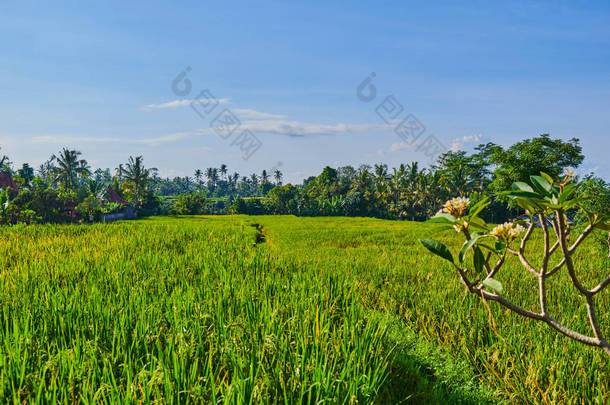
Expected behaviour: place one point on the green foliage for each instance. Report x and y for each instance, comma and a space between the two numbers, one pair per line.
189, 204
249, 206
282, 199
437, 248
530, 157
48, 204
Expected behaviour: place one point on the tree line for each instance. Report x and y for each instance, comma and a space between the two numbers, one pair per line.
415, 193
66, 189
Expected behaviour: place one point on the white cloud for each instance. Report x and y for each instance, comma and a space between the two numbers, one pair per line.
258, 123
154, 141
395, 147
255, 115
458, 143
298, 129
71, 139
182, 103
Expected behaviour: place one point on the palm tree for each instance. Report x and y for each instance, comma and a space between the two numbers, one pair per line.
223, 170
264, 177
4, 164
212, 174
96, 188
278, 177
45, 171
119, 173
187, 183
199, 177
26, 173
209, 173
254, 180
137, 177
381, 171
69, 168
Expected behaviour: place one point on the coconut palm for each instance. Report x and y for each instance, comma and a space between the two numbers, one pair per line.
235, 178
278, 177
264, 177
5, 163
119, 173
254, 180
212, 174
96, 189
381, 171
68, 168
223, 171
136, 178
199, 177
26, 173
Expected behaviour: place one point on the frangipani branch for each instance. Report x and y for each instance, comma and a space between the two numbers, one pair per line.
546, 201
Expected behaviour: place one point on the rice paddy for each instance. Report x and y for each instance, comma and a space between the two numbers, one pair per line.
263, 310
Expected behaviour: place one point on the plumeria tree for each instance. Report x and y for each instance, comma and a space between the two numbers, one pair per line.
546, 202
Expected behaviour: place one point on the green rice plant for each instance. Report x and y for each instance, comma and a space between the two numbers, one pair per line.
321, 310
176, 311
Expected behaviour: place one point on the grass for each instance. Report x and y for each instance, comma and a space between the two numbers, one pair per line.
320, 310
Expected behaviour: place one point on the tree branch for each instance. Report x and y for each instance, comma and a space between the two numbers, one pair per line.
567, 255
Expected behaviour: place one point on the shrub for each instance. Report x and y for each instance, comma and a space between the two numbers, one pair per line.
189, 204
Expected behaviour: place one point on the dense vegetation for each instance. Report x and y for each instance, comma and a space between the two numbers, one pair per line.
67, 189
284, 309
193, 310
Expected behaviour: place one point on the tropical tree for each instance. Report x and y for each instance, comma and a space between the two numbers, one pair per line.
462, 174
26, 173
530, 157
5, 164
45, 171
381, 172
96, 188
212, 174
199, 177
68, 168
223, 171
254, 179
264, 177
278, 177
136, 178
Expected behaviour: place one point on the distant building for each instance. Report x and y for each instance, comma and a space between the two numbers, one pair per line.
6, 181
128, 211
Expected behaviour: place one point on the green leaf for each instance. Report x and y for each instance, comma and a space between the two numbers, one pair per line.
521, 186
493, 284
528, 206
437, 248
541, 185
467, 245
478, 260
500, 246
547, 177
478, 207
568, 190
478, 223
442, 218
604, 225
522, 194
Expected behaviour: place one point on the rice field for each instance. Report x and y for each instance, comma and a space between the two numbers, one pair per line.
264, 310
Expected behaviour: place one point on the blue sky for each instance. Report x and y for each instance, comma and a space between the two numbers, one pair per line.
97, 77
